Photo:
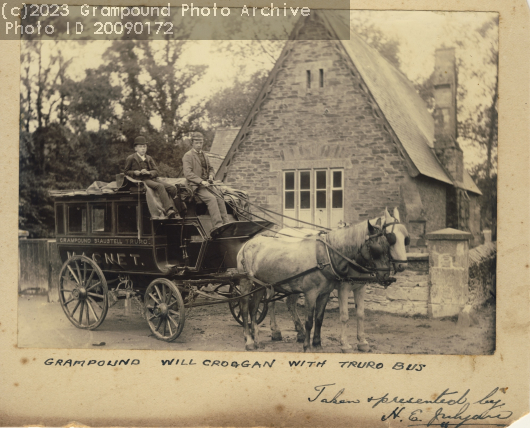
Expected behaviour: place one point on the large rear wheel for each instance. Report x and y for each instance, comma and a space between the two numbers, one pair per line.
235, 306
83, 292
164, 309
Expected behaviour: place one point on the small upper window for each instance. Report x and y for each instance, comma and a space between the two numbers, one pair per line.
308, 78
321, 78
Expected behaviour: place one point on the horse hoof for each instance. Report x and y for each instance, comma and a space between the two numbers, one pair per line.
276, 335
363, 347
348, 350
318, 348
250, 347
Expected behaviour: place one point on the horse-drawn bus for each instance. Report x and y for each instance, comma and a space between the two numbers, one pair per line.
115, 243
114, 246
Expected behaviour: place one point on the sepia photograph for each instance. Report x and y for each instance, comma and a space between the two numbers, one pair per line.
283, 214
329, 185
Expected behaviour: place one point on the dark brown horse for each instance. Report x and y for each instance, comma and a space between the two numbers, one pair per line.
313, 266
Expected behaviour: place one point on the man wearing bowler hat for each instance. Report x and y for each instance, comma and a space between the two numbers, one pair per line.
198, 171
141, 166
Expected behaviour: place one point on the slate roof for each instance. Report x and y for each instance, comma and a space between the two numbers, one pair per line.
224, 137
397, 98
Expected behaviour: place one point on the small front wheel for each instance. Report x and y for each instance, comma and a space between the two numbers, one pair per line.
164, 309
235, 306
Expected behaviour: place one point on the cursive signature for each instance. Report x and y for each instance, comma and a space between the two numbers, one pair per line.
321, 388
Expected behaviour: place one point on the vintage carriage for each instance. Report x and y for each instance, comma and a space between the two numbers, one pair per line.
114, 246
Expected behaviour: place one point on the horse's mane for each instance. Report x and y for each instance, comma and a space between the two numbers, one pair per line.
349, 239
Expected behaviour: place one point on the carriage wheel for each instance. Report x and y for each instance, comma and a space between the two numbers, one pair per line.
235, 306
164, 309
83, 292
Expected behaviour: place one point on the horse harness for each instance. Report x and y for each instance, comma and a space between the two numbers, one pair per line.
338, 276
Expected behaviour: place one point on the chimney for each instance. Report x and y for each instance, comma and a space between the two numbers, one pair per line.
445, 129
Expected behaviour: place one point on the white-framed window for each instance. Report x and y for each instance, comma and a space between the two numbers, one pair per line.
314, 196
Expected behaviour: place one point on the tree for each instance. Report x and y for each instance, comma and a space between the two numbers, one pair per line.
230, 106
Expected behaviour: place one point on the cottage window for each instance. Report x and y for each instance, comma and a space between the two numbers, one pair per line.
321, 78
308, 77
314, 196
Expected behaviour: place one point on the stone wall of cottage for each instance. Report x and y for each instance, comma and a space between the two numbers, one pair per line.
329, 127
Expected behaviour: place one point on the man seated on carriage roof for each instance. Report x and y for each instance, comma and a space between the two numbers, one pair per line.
141, 166
198, 171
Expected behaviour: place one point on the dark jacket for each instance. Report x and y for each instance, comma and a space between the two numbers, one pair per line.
135, 163
192, 168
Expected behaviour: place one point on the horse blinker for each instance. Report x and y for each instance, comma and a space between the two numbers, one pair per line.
391, 238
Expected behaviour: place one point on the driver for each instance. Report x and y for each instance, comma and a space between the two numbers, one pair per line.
198, 171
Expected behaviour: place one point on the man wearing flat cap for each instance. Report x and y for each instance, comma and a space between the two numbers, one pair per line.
141, 166
198, 171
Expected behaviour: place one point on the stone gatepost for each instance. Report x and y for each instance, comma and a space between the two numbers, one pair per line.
448, 271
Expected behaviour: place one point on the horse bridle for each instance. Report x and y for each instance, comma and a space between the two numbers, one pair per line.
391, 238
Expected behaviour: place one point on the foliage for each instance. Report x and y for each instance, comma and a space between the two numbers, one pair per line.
139, 86
230, 106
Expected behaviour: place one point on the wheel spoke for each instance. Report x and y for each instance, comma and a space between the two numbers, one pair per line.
81, 313
84, 273
78, 270
158, 325
91, 276
73, 274
101, 296
65, 290
165, 325
159, 295
93, 286
96, 303
174, 322
164, 294
69, 301
171, 311
155, 299
169, 326
75, 309
92, 310
152, 317
87, 316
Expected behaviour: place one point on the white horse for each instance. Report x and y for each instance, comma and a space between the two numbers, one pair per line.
398, 257
314, 266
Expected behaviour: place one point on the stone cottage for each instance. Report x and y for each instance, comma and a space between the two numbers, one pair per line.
337, 133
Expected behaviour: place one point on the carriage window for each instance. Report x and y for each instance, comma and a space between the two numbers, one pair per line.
102, 218
127, 221
59, 218
146, 220
77, 218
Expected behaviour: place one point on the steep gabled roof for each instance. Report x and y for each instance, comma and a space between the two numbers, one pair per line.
394, 94
224, 137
